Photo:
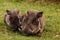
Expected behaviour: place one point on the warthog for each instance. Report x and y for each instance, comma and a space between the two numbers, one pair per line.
32, 23
11, 19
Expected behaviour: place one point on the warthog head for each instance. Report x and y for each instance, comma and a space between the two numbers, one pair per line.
30, 23
13, 18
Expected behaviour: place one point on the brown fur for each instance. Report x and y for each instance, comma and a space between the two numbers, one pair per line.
33, 23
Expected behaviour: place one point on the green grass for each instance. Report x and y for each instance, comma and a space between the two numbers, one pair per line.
51, 12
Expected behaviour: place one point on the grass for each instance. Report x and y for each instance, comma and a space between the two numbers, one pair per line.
51, 12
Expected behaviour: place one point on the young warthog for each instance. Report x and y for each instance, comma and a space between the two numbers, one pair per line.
33, 23
11, 19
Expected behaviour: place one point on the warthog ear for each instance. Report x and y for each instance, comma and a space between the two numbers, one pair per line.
17, 11
8, 12
39, 14
28, 13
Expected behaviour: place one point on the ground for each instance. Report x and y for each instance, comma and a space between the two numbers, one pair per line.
51, 12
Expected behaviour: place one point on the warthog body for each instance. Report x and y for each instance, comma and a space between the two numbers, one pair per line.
32, 23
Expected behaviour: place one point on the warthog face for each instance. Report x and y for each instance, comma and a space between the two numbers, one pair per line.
30, 23
12, 18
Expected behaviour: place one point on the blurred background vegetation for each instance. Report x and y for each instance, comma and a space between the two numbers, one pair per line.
53, 1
